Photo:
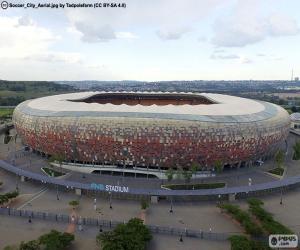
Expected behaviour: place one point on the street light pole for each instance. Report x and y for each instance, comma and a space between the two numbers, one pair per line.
281, 197
57, 198
95, 204
17, 182
171, 205
110, 206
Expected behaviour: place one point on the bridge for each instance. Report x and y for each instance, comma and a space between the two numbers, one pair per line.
223, 193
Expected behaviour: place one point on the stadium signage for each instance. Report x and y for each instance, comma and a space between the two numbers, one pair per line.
110, 188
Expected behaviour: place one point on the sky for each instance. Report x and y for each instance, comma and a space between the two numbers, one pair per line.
153, 40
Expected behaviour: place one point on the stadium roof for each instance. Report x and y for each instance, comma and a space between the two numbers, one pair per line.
224, 108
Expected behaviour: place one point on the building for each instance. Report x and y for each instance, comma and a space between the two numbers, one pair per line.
295, 121
152, 129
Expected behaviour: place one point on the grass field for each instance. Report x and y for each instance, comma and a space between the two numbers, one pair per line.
277, 171
6, 112
52, 172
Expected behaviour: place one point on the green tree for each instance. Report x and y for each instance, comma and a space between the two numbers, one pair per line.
194, 168
7, 196
56, 240
187, 175
169, 174
57, 158
30, 245
74, 203
296, 147
219, 166
133, 235
144, 204
12, 194
11, 248
239, 242
179, 173
279, 158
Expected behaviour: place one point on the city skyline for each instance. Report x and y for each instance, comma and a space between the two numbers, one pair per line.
161, 40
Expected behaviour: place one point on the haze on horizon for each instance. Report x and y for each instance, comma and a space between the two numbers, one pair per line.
153, 41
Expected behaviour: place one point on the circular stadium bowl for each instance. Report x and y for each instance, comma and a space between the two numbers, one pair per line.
152, 129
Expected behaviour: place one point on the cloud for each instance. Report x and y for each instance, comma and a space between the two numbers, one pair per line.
239, 58
202, 39
25, 21
22, 39
245, 60
126, 35
98, 33
172, 34
92, 33
276, 58
269, 57
282, 25
246, 25
96, 66
222, 57
56, 57
18, 41
219, 51
166, 18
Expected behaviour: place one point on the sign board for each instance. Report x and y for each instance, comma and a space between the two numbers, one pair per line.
109, 188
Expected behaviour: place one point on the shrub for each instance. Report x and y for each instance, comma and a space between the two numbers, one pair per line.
144, 204
169, 174
56, 240
53, 240
296, 147
244, 218
11, 248
51, 172
30, 245
268, 223
239, 242
133, 235
279, 158
74, 203
219, 166
254, 202
6, 197
278, 171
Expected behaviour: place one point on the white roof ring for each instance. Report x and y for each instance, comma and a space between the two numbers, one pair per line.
223, 108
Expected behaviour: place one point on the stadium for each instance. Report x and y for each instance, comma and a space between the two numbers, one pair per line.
152, 130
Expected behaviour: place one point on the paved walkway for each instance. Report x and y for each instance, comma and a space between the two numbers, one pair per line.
71, 228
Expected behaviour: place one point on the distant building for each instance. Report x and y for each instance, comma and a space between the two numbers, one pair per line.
297, 79
295, 121
292, 103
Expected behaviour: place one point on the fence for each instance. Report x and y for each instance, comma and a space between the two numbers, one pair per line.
110, 224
